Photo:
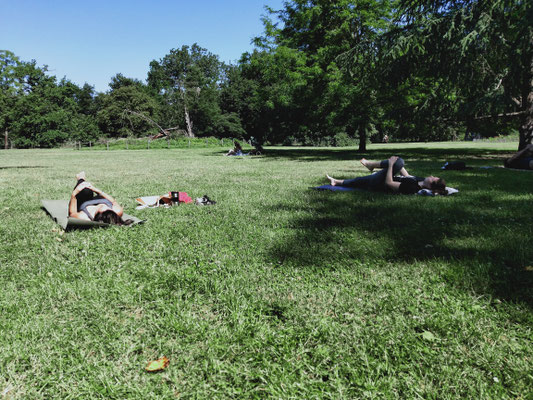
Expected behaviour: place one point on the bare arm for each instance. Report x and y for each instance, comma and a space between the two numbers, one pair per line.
394, 186
102, 193
73, 203
117, 208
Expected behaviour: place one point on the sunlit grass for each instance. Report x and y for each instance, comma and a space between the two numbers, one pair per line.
278, 290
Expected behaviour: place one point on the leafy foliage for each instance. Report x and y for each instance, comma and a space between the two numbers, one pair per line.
188, 80
114, 116
323, 73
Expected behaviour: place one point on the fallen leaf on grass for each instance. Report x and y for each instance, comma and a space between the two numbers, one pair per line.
157, 365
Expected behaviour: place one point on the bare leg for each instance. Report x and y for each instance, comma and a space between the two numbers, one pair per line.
333, 181
370, 165
403, 172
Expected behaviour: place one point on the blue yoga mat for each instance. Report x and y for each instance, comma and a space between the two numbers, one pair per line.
336, 188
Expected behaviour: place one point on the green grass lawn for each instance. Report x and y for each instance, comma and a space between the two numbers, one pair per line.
277, 291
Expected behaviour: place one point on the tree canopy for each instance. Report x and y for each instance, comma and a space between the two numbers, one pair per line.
322, 73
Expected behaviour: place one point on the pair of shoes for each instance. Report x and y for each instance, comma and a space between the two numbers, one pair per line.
204, 201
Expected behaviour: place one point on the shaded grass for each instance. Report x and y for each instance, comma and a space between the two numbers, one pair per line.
277, 291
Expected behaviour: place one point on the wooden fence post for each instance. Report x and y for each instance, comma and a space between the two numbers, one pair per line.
107, 143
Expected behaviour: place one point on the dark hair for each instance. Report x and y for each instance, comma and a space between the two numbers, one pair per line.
506, 163
439, 186
111, 217
238, 146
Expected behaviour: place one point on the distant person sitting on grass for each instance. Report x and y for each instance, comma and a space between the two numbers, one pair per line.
522, 159
92, 204
386, 179
236, 151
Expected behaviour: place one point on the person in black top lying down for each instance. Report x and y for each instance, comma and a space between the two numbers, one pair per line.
386, 179
92, 204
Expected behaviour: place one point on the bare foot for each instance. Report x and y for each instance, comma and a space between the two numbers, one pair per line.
80, 175
364, 161
333, 181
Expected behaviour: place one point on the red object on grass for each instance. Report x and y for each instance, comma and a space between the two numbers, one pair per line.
183, 197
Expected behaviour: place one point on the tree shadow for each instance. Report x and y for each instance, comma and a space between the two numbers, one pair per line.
483, 235
23, 166
320, 154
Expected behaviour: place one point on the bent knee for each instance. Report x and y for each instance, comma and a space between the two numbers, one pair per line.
399, 163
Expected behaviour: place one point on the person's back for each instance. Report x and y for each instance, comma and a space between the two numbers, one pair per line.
522, 159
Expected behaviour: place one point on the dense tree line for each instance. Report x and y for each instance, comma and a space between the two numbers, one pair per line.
322, 72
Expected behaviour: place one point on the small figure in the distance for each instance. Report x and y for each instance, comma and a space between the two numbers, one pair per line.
236, 151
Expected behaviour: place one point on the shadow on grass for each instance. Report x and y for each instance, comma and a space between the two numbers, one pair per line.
22, 167
343, 154
481, 237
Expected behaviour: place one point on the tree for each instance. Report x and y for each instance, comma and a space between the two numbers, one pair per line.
128, 108
323, 30
188, 79
10, 86
36, 110
263, 91
480, 49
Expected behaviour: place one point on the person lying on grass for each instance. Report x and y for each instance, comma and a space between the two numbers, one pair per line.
386, 179
92, 204
522, 159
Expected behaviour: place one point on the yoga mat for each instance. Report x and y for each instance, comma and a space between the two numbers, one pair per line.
422, 192
336, 188
58, 210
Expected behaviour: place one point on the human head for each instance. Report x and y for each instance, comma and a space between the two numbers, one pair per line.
506, 163
108, 216
238, 145
435, 184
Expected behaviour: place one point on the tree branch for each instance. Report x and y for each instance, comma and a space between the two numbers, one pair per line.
163, 131
512, 114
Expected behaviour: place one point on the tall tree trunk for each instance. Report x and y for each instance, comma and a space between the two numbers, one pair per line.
526, 126
362, 136
526, 121
188, 121
6, 140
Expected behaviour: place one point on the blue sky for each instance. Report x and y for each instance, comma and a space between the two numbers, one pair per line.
93, 40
